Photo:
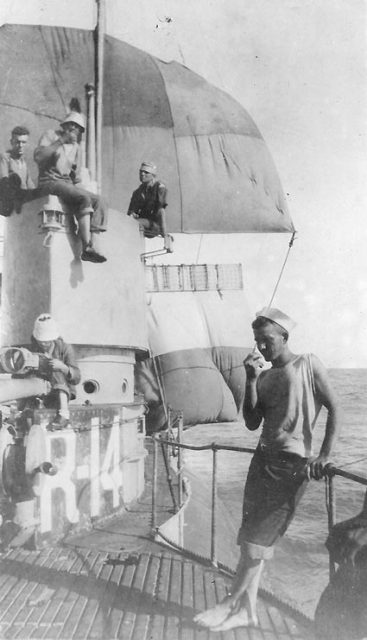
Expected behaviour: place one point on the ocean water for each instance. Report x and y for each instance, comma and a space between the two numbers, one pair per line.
299, 569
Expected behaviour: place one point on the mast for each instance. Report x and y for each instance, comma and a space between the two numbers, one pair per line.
100, 32
91, 131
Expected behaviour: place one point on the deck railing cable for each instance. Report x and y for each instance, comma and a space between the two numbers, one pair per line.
330, 472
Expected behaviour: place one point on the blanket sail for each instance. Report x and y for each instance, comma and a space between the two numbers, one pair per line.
219, 172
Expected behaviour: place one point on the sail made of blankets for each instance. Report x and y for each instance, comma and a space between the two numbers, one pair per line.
210, 154
198, 341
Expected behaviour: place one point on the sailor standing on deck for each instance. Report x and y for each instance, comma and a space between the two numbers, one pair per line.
59, 156
286, 399
149, 201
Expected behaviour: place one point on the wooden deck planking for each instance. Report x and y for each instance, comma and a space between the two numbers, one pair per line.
76, 594
146, 603
26, 589
108, 621
187, 600
123, 601
50, 623
158, 627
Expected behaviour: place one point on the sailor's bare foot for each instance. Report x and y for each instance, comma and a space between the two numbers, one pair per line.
213, 617
239, 619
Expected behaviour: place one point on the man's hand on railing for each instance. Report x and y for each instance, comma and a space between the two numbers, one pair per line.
317, 466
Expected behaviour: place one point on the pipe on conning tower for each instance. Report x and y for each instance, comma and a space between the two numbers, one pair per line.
15, 388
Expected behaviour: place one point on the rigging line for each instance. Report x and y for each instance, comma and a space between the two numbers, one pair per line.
290, 245
35, 113
160, 386
282, 269
347, 464
199, 247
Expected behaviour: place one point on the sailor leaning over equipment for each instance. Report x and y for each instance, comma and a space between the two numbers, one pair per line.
57, 365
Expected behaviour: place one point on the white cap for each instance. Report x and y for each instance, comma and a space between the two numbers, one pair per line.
75, 116
45, 328
148, 166
275, 315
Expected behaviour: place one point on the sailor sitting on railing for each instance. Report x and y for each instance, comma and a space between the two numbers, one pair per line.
286, 399
59, 156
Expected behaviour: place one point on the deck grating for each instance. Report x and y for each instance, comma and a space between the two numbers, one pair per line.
76, 593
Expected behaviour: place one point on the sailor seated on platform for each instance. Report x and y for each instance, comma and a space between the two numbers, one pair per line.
58, 365
59, 158
149, 201
16, 184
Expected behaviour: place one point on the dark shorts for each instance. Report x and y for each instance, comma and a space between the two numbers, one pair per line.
273, 489
81, 201
151, 228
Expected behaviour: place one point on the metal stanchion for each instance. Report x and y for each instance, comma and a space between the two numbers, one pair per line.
154, 484
169, 476
331, 513
213, 557
179, 457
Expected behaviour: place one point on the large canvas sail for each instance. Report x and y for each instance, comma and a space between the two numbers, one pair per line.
219, 172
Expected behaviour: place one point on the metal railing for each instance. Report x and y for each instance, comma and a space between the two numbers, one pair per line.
166, 440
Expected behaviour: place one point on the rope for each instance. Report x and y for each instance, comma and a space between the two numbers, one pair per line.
199, 247
161, 390
290, 245
347, 464
282, 269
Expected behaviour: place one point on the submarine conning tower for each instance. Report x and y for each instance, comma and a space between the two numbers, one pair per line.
97, 462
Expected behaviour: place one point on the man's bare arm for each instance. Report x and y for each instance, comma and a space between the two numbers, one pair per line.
328, 398
251, 410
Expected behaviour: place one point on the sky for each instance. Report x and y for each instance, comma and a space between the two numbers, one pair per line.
299, 68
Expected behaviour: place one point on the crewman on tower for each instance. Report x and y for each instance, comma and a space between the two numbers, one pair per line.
59, 157
149, 201
16, 184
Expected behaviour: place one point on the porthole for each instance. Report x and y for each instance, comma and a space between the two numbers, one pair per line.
90, 386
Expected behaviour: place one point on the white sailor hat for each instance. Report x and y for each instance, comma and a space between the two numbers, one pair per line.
76, 117
45, 328
275, 315
148, 166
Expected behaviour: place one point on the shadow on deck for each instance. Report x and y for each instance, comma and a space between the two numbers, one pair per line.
116, 582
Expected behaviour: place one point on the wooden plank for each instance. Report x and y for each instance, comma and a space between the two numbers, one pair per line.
200, 599
174, 600
45, 598
187, 601
157, 631
120, 580
78, 593
133, 602
72, 576
94, 590
26, 589
147, 600
93, 619
51, 628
